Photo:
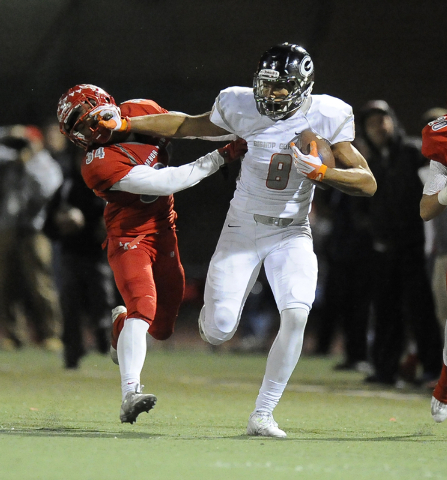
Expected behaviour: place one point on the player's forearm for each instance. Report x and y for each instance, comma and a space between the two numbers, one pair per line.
192, 173
430, 207
143, 180
354, 181
352, 174
176, 124
160, 125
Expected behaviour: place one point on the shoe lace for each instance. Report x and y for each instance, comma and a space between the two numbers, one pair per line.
266, 419
437, 404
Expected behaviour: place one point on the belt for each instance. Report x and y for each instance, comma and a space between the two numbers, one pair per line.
274, 221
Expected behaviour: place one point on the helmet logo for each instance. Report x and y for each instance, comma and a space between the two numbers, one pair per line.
439, 123
268, 74
306, 66
63, 109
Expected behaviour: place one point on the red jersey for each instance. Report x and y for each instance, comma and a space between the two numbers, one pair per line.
128, 214
434, 140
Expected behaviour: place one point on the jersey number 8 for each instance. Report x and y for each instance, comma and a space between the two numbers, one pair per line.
279, 171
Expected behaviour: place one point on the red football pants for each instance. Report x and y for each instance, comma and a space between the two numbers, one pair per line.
150, 279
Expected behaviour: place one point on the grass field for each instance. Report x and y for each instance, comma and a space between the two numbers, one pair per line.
63, 425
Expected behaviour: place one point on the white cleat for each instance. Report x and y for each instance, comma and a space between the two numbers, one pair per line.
263, 424
116, 312
438, 410
201, 332
135, 403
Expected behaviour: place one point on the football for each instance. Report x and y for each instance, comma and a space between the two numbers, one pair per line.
324, 149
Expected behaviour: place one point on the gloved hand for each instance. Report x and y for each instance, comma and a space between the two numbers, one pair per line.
110, 118
234, 150
309, 165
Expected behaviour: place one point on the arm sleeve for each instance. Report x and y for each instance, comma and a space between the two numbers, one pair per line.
336, 120
345, 132
145, 180
235, 111
437, 178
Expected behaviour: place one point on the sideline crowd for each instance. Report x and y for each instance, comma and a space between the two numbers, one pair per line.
381, 289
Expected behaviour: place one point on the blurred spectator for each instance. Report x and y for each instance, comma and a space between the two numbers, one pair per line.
31, 178
402, 295
87, 288
347, 295
59, 147
10, 175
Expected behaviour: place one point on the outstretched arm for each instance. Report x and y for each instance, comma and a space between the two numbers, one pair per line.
145, 180
178, 125
173, 124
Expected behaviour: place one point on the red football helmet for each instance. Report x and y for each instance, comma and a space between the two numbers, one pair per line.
75, 105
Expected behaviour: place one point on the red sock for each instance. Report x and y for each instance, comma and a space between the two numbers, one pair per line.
440, 391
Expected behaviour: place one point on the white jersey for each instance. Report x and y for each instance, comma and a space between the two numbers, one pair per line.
268, 184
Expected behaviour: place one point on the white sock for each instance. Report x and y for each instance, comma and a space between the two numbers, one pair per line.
282, 358
131, 352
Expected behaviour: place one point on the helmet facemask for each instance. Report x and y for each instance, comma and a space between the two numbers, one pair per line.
278, 108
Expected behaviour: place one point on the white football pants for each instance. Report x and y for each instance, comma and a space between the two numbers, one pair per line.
290, 265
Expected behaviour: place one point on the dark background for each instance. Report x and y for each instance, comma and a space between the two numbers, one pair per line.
181, 54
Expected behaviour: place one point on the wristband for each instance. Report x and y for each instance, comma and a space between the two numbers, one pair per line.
442, 196
126, 121
318, 174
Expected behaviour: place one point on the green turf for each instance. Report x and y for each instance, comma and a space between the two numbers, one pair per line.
63, 425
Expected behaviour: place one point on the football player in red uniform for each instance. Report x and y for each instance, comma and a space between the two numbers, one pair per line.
433, 203
132, 176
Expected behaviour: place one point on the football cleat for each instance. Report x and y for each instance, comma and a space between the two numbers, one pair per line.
201, 332
438, 410
116, 312
135, 403
263, 424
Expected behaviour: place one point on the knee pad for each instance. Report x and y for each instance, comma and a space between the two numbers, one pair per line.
294, 318
214, 331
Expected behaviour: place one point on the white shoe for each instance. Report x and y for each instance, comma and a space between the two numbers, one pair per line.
135, 403
263, 424
438, 410
201, 332
116, 312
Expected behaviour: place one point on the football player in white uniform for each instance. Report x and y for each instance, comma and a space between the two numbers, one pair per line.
267, 222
